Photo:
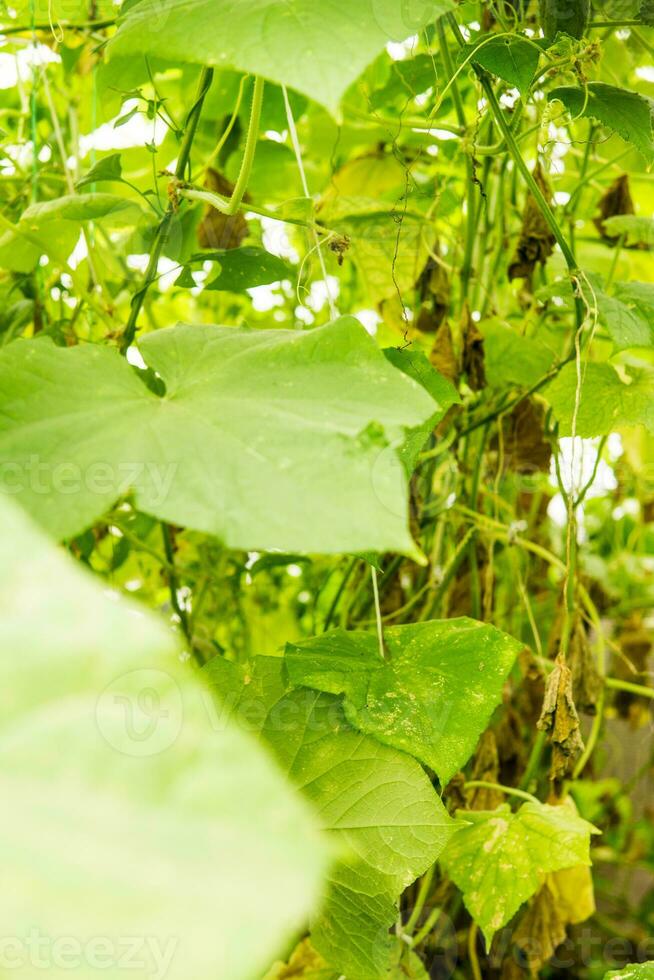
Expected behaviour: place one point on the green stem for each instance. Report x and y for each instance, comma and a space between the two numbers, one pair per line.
91, 25
534, 759
430, 922
421, 898
221, 204
599, 24
509, 790
190, 128
618, 685
250, 148
173, 584
466, 265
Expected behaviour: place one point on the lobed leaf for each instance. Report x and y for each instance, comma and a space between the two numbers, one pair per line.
500, 859
270, 439
433, 695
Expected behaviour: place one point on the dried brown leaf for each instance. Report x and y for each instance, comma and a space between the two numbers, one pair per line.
616, 200
305, 964
536, 242
526, 447
473, 351
587, 682
218, 230
443, 356
560, 720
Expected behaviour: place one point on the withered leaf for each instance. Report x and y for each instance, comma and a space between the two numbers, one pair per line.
473, 351
540, 931
560, 719
304, 964
565, 898
586, 680
433, 287
616, 200
443, 356
536, 242
218, 230
526, 447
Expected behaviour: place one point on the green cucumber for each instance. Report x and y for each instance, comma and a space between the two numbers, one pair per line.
568, 16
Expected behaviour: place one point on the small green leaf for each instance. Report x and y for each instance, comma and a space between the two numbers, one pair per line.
619, 109
109, 168
144, 819
628, 315
433, 695
242, 268
606, 403
500, 859
515, 59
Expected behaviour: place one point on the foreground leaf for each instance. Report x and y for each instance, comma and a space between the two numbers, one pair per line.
337, 40
431, 697
377, 802
142, 819
305, 461
500, 860
621, 110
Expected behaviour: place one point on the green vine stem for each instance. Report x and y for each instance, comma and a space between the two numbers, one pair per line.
161, 235
508, 790
250, 148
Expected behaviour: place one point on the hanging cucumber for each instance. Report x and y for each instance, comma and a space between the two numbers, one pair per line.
568, 16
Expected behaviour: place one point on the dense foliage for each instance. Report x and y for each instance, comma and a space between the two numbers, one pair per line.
326, 333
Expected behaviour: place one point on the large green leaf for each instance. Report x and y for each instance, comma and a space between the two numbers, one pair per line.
433, 694
127, 814
318, 49
621, 110
268, 439
377, 802
501, 858
606, 402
